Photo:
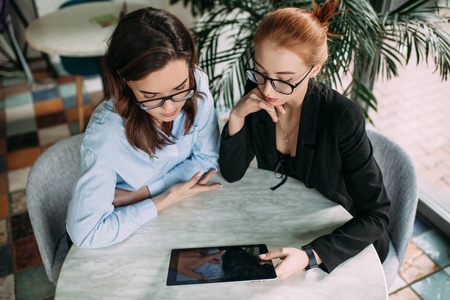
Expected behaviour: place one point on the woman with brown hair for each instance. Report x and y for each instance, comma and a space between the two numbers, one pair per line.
154, 142
298, 127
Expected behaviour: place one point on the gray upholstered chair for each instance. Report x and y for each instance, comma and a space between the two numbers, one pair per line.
400, 179
49, 191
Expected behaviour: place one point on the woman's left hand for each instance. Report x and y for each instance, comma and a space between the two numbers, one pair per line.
292, 261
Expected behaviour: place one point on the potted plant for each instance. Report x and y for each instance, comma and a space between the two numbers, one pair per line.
371, 44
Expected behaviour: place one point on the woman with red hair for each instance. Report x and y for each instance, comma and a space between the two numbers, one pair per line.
298, 127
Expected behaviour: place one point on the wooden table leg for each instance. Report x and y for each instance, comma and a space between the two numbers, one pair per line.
79, 84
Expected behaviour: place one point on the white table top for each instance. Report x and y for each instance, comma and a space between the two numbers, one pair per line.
244, 212
71, 32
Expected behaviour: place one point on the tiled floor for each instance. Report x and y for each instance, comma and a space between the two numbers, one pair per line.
32, 120
426, 269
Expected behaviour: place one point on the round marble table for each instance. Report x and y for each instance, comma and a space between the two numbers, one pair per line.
244, 212
71, 32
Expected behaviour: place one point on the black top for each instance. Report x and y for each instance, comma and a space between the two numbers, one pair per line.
284, 168
287, 164
334, 156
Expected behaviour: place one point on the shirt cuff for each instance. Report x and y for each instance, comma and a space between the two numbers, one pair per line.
147, 210
157, 187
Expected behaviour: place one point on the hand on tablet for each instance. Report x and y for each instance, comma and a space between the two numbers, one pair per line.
190, 260
292, 261
197, 184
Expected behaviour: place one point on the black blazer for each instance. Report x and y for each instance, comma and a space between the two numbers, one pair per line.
334, 156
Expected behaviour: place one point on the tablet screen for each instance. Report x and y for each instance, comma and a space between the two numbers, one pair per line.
219, 264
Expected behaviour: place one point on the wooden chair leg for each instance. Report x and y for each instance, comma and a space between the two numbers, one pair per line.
79, 84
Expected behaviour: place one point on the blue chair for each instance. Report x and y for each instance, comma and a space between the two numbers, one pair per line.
81, 66
400, 179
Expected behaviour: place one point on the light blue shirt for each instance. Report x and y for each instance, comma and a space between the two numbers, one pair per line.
108, 161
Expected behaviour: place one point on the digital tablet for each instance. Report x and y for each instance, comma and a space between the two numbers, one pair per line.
219, 264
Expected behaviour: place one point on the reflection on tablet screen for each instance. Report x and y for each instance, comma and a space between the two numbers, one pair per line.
219, 264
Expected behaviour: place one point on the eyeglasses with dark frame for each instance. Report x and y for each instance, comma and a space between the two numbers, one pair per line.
278, 85
177, 97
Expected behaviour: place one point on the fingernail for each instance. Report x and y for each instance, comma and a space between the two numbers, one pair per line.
199, 174
262, 255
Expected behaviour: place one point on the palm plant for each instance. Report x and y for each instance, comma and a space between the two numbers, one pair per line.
371, 45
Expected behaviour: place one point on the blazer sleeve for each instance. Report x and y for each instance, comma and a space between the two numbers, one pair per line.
364, 184
235, 153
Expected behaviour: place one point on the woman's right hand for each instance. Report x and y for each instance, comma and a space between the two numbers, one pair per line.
197, 184
250, 103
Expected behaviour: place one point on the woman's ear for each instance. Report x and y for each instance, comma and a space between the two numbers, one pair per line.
316, 69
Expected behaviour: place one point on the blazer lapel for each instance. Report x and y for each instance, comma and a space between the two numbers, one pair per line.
307, 135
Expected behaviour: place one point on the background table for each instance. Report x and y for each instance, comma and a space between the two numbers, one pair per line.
245, 212
71, 32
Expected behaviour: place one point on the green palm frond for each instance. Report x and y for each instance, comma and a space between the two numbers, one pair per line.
371, 45
224, 39
413, 28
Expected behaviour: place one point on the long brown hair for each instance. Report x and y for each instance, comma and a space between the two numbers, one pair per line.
302, 31
144, 41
